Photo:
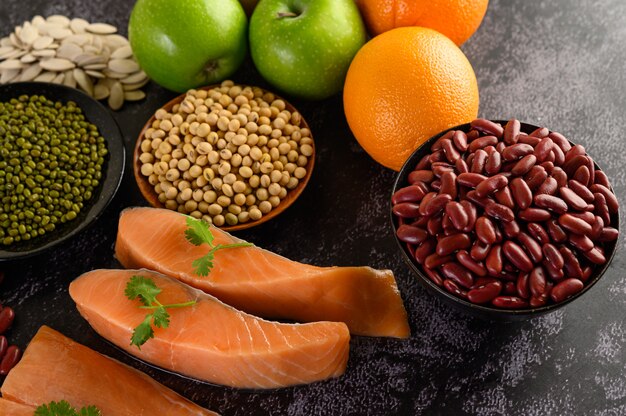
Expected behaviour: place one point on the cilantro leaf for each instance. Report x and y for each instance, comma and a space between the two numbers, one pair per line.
161, 318
143, 288
143, 332
63, 408
198, 232
204, 264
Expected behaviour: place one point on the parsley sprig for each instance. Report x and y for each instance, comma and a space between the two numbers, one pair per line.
197, 233
63, 408
144, 289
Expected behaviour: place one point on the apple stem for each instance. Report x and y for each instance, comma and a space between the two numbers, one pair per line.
287, 14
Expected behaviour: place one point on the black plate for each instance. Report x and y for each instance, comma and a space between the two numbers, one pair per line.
482, 311
96, 114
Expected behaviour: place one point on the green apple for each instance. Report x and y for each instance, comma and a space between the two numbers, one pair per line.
304, 47
189, 43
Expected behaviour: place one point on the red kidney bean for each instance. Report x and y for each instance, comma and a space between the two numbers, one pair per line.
434, 225
582, 175
459, 138
454, 289
581, 190
4, 344
485, 230
534, 215
511, 130
437, 156
421, 222
499, 212
553, 203
522, 286
540, 132
553, 255
538, 301
587, 270
524, 165
611, 199
425, 201
493, 163
481, 281
559, 156
435, 185
451, 152
439, 142
511, 229
406, 210
481, 143
517, 151
450, 244
426, 176
548, 166
608, 234
592, 170
458, 274
487, 127
560, 141
7, 315
11, 357
439, 168
509, 287
596, 228
466, 261
483, 202
470, 209
548, 187
411, 235
437, 204
601, 207
602, 179
573, 200
517, 256
509, 302
408, 194
424, 163
576, 150
484, 293
434, 260
471, 180
574, 224
538, 233
491, 185
570, 263
504, 197
494, 261
472, 135
535, 177
581, 242
595, 256
521, 193
531, 140
531, 246
553, 272
457, 214
425, 249
537, 282
479, 161
461, 166
588, 217
479, 250
560, 176
572, 164
543, 148
434, 276
448, 184
566, 289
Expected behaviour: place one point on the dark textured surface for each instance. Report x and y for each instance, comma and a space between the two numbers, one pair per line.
555, 63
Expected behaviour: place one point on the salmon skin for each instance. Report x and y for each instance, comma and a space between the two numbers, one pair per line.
210, 340
9, 408
55, 368
261, 282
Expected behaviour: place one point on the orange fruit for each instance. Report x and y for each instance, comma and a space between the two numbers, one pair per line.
457, 19
405, 86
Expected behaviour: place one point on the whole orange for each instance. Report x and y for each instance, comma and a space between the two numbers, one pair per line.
457, 19
404, 87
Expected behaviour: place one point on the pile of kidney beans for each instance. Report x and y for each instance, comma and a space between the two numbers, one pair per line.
9, 354
496, 216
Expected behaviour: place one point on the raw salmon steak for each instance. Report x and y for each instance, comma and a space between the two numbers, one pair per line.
263, 283
55, 368
210, 340
9, 408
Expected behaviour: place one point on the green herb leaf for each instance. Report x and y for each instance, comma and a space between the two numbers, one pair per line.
203, 265
143, 288
161, 318
198, 232
63, 408
143, 332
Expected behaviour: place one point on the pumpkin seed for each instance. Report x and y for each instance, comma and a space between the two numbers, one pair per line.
59, 79
100, 91
59, 32
31, 72
134, 95
45, 77
135, 78
11, 64
123, 66
29, 34
28, 59
44, 53
69, 80
57, 64
69, 51
78, 25
83, 81
42, 42
124, 52
116, 99
101, 29
95, 74
8, 75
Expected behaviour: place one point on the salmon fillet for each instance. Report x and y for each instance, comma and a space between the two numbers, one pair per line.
9, 408
55, 368
261, 282
210, 340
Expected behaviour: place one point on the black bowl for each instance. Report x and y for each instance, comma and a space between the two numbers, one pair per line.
97, 114
483, 311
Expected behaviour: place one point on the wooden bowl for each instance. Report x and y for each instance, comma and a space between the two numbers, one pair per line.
151, 196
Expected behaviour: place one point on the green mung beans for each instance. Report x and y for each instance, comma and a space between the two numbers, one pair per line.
51, 161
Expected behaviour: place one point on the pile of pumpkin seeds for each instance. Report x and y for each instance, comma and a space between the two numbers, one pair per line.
76, 53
